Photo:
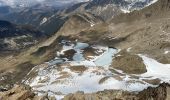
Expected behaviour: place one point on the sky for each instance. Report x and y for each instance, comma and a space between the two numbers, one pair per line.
27, 3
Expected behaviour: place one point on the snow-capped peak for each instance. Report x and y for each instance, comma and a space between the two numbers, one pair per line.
130, 5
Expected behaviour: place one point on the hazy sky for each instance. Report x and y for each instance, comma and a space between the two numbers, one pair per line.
14, 3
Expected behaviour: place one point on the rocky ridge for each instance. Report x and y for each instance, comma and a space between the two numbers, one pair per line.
22, 92
144, 32
17, 37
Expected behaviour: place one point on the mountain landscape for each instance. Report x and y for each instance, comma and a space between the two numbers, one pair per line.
85, 50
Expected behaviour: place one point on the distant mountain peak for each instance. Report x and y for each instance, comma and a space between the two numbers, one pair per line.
29, 3
130, 5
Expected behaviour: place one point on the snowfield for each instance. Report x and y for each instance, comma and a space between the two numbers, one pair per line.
156, 69
60, 77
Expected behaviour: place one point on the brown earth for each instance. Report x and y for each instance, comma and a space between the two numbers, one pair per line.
153, 81
77, 23
68, 54
14, 67
22, 92
89, 51
78, 68
128, 63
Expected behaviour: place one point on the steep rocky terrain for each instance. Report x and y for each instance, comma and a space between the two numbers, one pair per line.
140, 32
120, 57
36, 17
79, 22
16, 37
55, 15
25, 93
145, 31
22, 93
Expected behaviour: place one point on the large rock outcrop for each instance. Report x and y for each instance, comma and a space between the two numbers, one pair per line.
128, 63
22, 92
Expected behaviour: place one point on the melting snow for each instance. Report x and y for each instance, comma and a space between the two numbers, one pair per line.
156, 69
58, 79
106, 58
78, 47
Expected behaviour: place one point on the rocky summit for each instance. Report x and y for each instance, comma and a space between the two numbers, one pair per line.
22, 92
85, 50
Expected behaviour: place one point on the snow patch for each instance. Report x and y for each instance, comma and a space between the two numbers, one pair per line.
44, 20
156, 69
166, 52
132, 3
106, 58
128, 50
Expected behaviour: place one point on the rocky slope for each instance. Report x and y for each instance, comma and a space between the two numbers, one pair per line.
35, 16
54, 16
161, 92
139, 34
145, 31
22, 92
140, 37
79, 22
16, 37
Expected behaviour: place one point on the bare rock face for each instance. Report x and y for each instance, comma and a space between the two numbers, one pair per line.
17, 93
159, 93
128, 63
22, 93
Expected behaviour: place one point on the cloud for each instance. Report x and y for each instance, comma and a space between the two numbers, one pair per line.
27, 3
